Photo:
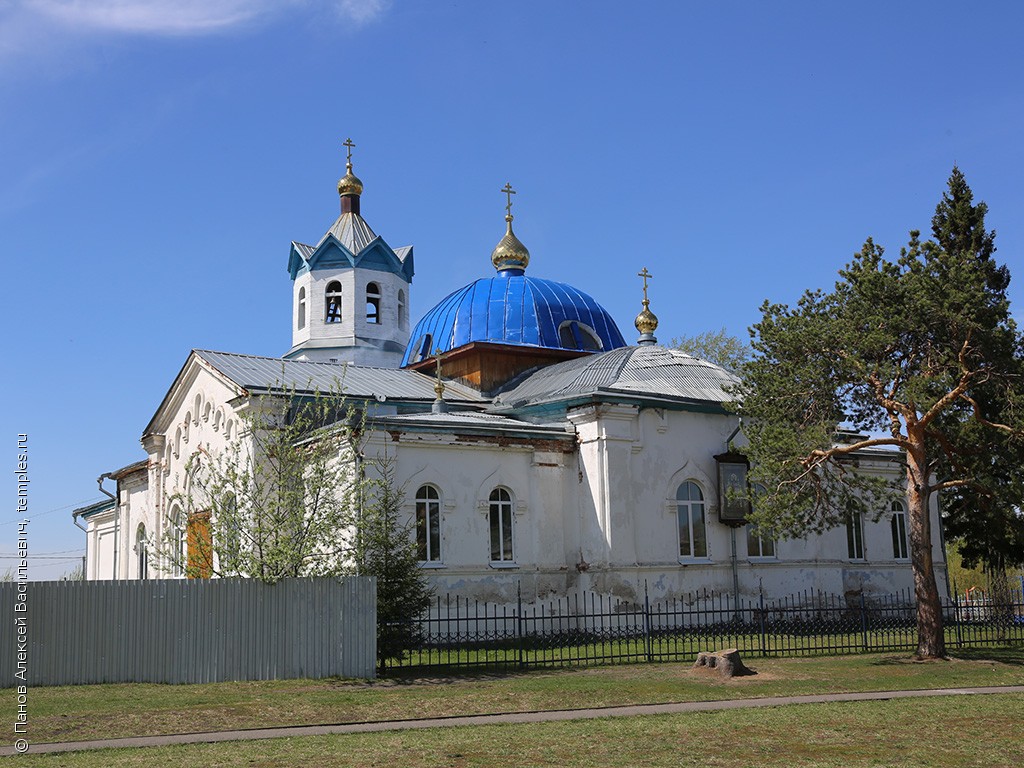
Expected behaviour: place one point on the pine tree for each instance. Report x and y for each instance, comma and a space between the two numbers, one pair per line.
386, 549
921, 355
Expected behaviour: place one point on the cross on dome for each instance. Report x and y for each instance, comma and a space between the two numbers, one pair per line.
349, 185
507, 189
509, 256
645, 275
646, 322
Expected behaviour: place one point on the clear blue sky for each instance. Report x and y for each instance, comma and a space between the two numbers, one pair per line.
157, 157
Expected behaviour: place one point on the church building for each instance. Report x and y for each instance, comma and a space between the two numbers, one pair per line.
539, 451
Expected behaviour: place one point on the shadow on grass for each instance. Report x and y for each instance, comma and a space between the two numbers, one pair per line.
1004, 654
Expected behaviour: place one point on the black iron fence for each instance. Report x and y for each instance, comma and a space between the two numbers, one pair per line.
596, 629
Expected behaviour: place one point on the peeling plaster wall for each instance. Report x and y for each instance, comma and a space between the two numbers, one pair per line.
602, 517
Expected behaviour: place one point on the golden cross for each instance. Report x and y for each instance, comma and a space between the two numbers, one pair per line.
348, 143
644, 274
439, 387
507, 189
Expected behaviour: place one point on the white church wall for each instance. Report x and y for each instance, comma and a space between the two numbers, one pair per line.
466, 472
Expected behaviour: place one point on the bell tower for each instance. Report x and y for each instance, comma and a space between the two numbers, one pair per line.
350, 291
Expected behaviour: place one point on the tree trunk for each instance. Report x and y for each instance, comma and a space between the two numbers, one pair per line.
931, 642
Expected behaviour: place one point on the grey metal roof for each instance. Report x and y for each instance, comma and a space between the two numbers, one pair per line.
651, 371
475, 422
402, 252
104, 505
305, 251
352, 231
261, 374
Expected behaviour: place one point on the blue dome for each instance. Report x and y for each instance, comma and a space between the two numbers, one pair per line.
511, 308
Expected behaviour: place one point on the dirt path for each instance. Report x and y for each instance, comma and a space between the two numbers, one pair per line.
494, 719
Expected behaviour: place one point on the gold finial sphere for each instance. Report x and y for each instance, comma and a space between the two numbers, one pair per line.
646, 322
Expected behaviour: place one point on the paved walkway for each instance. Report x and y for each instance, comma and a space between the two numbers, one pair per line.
509, 717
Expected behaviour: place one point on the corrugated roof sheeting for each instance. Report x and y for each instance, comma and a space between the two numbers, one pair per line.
476, 421
305, 251
647, 370
256, 373
352, 231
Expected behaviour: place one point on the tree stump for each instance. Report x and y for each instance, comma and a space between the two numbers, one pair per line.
727, 663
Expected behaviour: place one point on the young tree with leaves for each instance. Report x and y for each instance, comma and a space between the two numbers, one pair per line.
718, 347
279, 500
922, 356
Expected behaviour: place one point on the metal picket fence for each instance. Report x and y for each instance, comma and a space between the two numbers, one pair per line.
587, 628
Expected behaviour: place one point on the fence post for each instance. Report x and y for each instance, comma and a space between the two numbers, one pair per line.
519, 624
863, 623
760, 621
648, 642
956, 618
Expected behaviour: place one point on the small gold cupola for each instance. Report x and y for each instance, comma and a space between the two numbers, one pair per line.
646, 322
509, 253
349, 185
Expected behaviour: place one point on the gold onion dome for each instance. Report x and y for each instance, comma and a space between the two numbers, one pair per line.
510, 253
646, 322
349, 184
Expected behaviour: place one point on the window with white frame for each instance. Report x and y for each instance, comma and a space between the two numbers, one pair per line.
227, 527
693, 537
177, 542
300, 322
428, 524
758, 545
899, 531
855, 537
573, 334
332, 302
500, 518
142, 551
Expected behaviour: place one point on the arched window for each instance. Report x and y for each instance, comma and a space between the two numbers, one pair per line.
693, 537
300, 322
758, 545
500, 519
422, 348
403, 311
228, 527
142, 551
373, 303
177, 553
855, 537
428, 524
332, 302
573, 334
899, 531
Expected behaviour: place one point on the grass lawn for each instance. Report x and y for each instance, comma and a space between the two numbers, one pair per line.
73, 713
950, 732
